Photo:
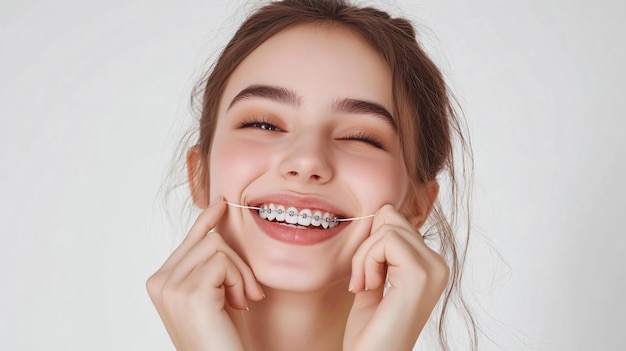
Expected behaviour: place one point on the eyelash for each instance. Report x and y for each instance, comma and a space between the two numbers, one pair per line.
259, 123
262, 122
366, 138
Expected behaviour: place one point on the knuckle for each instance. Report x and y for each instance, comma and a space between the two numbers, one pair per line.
214, 238
220, 258
154, 284
436, 273
387, 208
195, 298
446, 270
387, 228
397, 236
441, 266
387, 231
440, 273
178, 298
169, 292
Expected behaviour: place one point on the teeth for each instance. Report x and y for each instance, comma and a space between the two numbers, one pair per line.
291, 215
317, 218
305, 217
325, 220
280, 213
272, 212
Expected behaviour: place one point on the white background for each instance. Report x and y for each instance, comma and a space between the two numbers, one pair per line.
94, 98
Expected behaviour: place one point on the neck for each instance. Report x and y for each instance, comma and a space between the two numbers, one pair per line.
296, 320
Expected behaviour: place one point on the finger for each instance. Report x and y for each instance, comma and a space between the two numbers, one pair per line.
360, 259
220, 272
203, 224
251, 287
387, 214
388, 254
357, 277
207, 288
375, 266
203, 251
365, 303
409, 263
386, 220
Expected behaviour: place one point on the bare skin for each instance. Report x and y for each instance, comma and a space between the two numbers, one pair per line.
235, 288
280, 321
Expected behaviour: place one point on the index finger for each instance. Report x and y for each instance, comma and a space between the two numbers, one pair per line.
206, 221
388, 214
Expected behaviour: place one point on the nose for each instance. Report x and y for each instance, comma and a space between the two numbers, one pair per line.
307, 160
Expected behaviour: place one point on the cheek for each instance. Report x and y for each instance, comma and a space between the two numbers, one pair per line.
373, 184
232, 166
379, 183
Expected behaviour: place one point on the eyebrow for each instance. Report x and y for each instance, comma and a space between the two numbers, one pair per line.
278, 94
364, 107
291, 98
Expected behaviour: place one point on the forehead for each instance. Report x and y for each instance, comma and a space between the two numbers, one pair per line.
322, 63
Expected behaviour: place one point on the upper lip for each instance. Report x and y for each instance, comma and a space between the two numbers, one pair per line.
300, 202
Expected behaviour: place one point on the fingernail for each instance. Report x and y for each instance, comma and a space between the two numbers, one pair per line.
247, 308
350, 285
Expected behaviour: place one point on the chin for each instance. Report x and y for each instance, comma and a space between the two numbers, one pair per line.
297, 276
293, 265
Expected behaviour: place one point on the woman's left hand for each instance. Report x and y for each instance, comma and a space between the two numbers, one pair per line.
417, 276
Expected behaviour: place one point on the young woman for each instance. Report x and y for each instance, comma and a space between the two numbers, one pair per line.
323, 129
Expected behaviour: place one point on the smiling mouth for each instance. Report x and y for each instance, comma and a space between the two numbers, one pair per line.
301, 218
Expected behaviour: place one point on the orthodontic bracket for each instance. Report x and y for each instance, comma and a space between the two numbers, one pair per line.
292, 213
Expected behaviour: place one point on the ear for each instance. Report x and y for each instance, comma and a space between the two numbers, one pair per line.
197, 177
422, 202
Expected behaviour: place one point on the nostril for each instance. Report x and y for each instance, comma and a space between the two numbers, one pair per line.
293, 173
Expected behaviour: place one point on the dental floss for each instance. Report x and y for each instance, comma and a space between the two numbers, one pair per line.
354, 218
337, 220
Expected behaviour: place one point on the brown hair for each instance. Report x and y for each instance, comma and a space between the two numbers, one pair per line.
423, 111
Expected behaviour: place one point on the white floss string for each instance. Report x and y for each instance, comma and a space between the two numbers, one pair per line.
335, 219
354, 218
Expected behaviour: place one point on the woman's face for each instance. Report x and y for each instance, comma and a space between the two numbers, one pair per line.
305, 123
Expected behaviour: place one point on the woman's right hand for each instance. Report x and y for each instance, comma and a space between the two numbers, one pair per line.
190, 291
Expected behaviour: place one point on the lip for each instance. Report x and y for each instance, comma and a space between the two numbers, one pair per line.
291, 234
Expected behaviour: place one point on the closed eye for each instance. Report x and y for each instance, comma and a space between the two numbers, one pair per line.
365, 138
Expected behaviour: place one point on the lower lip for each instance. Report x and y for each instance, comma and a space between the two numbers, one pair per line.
292, 235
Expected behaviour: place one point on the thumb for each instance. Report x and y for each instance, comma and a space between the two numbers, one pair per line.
205, 222
211, 215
